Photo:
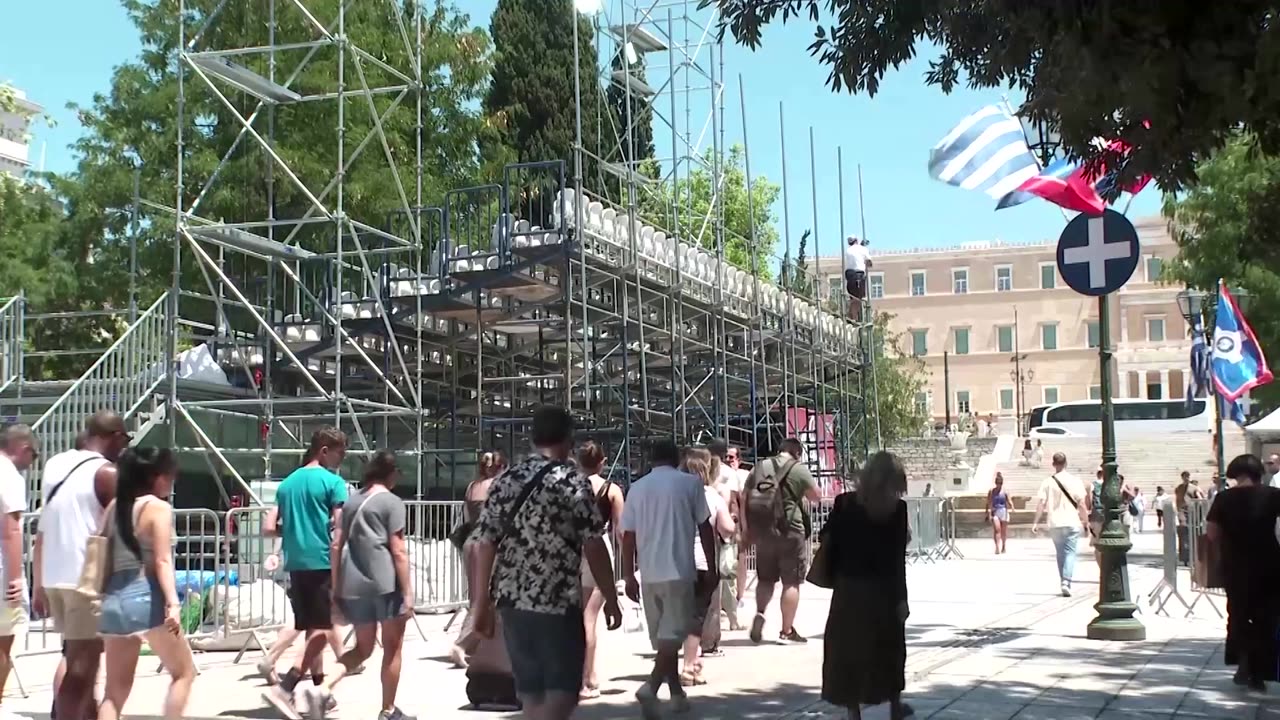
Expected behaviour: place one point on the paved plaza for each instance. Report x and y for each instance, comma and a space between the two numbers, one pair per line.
989, 639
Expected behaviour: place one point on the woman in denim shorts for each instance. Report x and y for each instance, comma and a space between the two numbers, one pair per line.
140, 600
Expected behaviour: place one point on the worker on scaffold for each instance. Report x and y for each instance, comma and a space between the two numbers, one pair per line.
857, 260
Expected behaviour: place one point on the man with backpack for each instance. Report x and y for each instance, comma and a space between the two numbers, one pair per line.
777, 496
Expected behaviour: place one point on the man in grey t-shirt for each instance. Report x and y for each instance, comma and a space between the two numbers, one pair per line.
371, 581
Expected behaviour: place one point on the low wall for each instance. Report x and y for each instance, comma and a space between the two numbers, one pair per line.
929, 461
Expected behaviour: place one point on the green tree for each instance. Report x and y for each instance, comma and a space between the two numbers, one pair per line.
796, 275
134, 123
1196, 72
530, 101
691, 197
899, 378
641, 114
1216, 225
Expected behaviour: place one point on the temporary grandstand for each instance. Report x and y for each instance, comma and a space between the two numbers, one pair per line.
434, 327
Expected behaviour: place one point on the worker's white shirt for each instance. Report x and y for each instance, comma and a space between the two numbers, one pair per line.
856, 257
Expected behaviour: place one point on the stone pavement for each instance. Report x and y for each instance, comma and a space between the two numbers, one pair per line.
989, 639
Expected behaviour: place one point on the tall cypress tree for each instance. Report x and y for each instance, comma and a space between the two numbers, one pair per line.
641, 112
531, 103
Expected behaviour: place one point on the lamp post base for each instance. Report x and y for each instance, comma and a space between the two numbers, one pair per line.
1115, 620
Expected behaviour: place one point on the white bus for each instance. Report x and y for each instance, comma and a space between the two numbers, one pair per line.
1082, 418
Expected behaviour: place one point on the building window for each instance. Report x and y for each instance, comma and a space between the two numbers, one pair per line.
919, 342
1004, 278
962, 402
875, 286
1155, 329
960, 281
1094, 333
1004, 338
917, 283
1006, 400
1154, 390
835, 287
1154, 266
1048, 276
922, 403
1050, 395
1049, 336
1095, 392
962, 341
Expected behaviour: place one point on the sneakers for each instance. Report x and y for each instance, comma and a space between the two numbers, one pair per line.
268, 672
792, 637
319, 702
757, 628
282, 700
395, 714
1066, 589
650, 706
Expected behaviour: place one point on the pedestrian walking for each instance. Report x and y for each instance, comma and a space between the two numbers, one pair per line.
541, 519
1063, 498
372, 587
865, 643
1160, 502
18, 452
665, 510
1243, 522
1187, 491
77, 487
733, 555
778, 493
704, 634
998, 506
310, 504
1140, 504
591, 460
139, 597
488, 467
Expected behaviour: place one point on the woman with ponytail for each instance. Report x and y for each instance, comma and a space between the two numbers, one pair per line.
489, 466
140, 599
591, 460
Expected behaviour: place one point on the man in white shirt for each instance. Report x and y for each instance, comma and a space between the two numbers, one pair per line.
17, 453
1272, 475
730, 484
664, 511
77, 486
1064, 497
857, 260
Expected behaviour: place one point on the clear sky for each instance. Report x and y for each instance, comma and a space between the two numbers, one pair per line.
65, 50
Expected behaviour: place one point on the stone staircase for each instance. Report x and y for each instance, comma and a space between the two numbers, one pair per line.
1144, 461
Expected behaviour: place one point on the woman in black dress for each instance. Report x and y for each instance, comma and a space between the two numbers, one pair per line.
865, 646
1242, 521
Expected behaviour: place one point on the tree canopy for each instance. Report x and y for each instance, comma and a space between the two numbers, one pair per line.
1216, 226
1196, 72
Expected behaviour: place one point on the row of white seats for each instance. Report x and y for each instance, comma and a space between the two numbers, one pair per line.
654, 246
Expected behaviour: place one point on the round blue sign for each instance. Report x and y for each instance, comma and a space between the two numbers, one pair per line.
1097, 255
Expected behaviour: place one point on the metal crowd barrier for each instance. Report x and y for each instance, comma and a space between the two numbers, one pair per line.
435, 565
1186, 545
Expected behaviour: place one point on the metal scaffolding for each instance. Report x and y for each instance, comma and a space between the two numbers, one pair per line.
434, 328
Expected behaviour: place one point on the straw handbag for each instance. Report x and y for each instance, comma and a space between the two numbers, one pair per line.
97, 548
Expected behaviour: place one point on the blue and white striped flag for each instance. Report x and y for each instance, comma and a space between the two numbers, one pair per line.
987, 151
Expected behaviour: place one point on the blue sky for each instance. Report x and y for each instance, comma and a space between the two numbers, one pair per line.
889, 135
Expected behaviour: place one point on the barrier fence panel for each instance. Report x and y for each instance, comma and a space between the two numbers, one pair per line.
250, 597
435, 565
1202, 556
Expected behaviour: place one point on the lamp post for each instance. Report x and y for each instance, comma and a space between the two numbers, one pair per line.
1115, 620
1021, 377
1197, 306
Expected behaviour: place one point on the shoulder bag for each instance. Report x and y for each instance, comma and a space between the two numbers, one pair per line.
53, 493
97, 550
1066, 494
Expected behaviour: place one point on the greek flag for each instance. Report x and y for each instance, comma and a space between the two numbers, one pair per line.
1238, 362
987, 151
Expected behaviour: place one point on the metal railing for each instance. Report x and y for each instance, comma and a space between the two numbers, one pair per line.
123, 379
11, 337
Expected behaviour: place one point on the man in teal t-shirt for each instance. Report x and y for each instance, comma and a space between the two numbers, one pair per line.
309, 503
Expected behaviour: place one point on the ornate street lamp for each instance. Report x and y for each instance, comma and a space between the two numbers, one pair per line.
1200, 307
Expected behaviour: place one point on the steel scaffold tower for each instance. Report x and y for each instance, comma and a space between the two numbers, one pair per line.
434, 323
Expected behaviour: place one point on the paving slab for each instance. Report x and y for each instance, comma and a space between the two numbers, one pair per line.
989, 638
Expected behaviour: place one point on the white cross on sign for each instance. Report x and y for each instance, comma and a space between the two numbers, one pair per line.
1096, 253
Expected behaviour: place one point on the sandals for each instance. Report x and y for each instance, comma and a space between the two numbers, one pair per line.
690, 678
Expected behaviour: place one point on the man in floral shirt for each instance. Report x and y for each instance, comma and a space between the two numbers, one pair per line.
541, 519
